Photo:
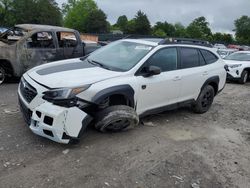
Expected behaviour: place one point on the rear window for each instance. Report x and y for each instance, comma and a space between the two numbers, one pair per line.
189, 58
208, 56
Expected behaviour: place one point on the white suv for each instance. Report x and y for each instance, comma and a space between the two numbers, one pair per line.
238, 65
117, 84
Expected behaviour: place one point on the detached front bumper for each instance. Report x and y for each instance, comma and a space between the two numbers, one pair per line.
56, 123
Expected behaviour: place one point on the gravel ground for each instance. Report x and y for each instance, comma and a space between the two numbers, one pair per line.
173, 149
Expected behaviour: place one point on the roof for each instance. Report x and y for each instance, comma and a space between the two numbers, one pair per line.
31, 27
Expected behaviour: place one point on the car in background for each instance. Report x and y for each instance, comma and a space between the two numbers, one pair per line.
225, 52
28, 45
238, 66
220, 46
90, 46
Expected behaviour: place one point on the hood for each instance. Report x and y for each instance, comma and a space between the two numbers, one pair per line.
230, 62
70, 73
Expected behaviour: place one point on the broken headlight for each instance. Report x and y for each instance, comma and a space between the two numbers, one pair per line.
64, 93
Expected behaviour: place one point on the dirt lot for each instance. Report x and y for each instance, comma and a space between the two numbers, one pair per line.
173, 149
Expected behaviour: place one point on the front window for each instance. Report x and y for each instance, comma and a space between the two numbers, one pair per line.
239, 57
120, 55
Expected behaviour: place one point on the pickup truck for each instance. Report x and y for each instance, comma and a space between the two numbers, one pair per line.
27, 45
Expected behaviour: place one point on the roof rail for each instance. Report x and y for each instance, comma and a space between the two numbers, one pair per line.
186, 41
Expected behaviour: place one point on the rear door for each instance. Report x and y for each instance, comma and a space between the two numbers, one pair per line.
194, 72
69, 45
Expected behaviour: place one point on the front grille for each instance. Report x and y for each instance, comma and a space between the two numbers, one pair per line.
28, 92
27, 113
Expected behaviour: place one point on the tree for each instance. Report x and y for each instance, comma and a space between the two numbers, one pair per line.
159, 33
30, 11
76, 13
199, 28
168, 28
223, 38
180, 30
242, 29
141, 24
96, 22
122, 23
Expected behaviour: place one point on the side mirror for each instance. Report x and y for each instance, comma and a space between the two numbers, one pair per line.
152, 70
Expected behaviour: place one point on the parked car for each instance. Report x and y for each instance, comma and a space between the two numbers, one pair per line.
220, 46
117, 84
27, 45
238, 66
225, 52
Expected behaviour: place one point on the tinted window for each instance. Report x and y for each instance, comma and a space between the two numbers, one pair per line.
189, 58
166, 59
208, 56
202, 61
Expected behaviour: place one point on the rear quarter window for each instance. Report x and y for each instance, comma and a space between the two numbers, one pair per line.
209, 56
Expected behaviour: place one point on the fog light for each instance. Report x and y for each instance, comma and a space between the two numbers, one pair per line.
237, 72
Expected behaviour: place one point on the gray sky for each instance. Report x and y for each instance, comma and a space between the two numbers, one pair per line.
220, 13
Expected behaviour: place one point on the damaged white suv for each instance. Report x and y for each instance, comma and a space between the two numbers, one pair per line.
117, 84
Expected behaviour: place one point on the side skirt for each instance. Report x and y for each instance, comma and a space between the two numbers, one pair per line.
167, 108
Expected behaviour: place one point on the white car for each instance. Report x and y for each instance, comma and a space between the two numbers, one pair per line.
238, 66
116, 85
220, 46
225, 52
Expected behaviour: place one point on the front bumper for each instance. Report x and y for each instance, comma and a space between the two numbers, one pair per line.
56, 123
234, 73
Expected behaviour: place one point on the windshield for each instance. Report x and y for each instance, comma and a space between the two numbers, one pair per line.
120, 55
12, 35
239, 57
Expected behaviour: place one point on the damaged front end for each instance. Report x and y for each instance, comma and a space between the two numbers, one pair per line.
54, 114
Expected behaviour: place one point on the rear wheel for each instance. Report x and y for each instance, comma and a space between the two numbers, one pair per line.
244, 77
205, 100
2, 75
116, 118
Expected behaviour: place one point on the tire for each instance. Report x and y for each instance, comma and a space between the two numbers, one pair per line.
205, 100
244, 77
2, 75
116, 118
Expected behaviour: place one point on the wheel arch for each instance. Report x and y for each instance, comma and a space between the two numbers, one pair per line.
7, 66
214, 82
121, 93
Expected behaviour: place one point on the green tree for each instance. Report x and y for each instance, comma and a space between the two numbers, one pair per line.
30, 11
180, 30
141, 24
199, 28
96, 22
242, 29
159, 33
122, 23
77, 12
168, 28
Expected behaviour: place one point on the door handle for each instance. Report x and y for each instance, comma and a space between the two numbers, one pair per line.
177, 78
205, 73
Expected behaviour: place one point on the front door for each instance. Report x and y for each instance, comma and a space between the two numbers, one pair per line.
158, 91
40, 49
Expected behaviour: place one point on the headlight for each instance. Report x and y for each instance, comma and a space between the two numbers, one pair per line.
234, 66
63, 93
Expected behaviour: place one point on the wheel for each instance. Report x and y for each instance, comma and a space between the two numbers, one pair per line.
244, 77
116, 118
2, 75
205, 100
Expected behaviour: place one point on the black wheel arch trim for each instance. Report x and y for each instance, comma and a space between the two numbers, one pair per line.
213, 79
126, 90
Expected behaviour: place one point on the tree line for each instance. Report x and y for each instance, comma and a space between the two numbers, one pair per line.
87, 17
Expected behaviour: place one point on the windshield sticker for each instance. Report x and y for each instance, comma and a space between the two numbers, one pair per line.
143, 48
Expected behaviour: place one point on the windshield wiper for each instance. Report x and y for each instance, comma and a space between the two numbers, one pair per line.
98, 64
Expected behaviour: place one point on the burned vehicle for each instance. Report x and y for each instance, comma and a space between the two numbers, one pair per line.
26, 46
115, 85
